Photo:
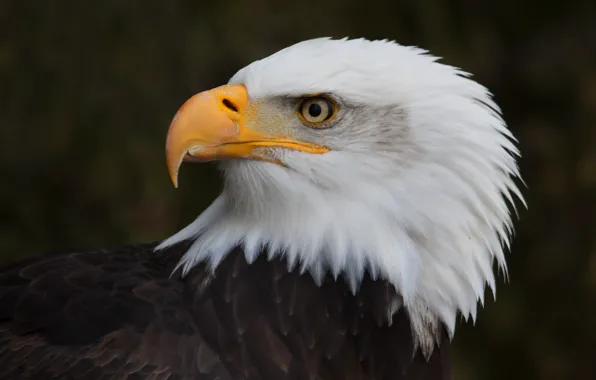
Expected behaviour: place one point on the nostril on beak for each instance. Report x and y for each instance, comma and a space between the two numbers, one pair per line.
229, 105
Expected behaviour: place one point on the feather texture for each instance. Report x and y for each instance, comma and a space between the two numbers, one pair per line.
119, 315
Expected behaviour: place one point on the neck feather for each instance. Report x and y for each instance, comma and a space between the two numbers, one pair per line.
415, 230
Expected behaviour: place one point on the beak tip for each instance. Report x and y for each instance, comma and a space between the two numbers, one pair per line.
173, 161
173, 171
174, 178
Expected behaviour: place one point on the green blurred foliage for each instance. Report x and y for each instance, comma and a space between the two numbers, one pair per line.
87, 90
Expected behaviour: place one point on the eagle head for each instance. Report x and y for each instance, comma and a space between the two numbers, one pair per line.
353, 156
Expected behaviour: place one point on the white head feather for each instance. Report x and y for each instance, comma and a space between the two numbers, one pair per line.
415, 189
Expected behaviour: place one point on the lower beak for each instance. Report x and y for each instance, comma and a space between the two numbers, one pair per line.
215, 124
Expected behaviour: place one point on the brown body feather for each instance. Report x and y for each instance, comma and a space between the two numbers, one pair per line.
120, 314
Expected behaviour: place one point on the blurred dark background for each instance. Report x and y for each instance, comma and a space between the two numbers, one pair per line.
87, 90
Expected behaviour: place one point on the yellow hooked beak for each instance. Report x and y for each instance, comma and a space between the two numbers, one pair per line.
221, 123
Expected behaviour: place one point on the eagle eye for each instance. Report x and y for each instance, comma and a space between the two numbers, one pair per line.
316, 111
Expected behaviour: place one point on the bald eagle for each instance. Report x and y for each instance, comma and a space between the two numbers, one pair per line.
367, 195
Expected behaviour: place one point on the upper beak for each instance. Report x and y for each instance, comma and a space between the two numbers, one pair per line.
220, 123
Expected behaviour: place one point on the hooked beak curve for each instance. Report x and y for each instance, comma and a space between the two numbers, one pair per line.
218, 124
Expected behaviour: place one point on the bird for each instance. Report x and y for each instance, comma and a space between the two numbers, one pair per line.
368, 202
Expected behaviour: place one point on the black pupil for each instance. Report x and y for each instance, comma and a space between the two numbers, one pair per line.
314, 109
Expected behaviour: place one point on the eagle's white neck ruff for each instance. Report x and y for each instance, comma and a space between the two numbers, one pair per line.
431, 216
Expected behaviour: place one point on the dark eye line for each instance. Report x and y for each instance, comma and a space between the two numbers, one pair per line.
299, 99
